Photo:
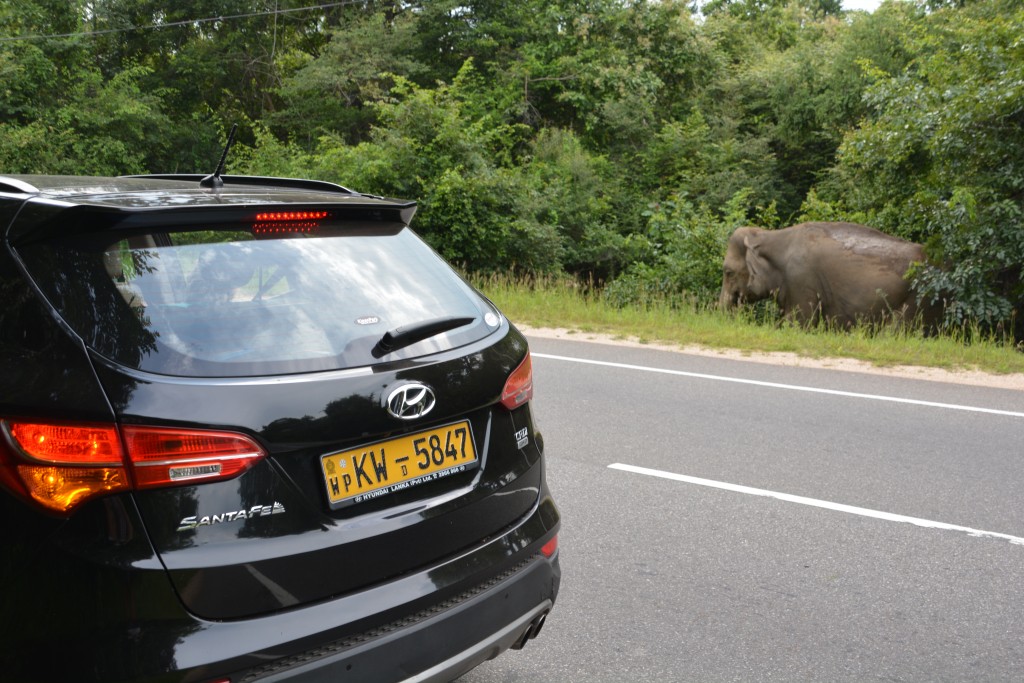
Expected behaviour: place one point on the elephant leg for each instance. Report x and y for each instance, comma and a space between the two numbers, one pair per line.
804, 310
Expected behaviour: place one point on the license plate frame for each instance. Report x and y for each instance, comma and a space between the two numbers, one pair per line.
380, 468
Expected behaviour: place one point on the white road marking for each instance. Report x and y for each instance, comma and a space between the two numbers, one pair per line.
776, 385
839, 507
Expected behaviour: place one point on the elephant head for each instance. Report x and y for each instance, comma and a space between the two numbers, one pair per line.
747, 275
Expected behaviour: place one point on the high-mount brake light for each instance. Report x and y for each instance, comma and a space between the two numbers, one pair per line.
287, 222
60, 465
519, 385
289, 216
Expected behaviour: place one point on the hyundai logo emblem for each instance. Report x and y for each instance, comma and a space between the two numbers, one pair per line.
411, 401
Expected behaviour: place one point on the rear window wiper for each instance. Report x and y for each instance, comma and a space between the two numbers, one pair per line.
408, 335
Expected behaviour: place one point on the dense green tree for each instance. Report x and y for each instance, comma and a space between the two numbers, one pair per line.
106, 128
490, 198
605, 138
215, 62
333, 92
796, 100
764, 10
939, 159
36, 72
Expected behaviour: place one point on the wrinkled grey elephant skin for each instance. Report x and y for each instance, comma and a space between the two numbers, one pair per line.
840, 272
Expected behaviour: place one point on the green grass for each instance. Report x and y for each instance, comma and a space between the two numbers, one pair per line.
562, 303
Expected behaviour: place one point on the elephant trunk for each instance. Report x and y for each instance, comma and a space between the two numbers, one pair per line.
728, 300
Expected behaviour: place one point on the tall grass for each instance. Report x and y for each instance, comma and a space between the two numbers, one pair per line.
560, 302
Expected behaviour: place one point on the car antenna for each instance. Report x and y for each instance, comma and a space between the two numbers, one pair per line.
214, 180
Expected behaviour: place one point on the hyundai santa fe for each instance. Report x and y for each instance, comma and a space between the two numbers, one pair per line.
255, 429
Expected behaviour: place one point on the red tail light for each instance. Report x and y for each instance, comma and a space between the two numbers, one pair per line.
61, 465
162, 457
519, 386
73, 444
551, 547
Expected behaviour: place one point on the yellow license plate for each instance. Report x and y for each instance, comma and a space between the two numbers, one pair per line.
385, 467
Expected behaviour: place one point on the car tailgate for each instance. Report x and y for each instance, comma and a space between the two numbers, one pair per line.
270, 539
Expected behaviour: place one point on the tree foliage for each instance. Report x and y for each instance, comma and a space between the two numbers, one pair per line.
618, 140
940, 160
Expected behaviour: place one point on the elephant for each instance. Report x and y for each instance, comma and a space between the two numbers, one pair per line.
842, 273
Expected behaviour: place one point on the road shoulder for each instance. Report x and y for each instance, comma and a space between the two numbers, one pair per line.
974, 378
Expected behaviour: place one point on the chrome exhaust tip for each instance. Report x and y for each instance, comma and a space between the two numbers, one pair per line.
531, 632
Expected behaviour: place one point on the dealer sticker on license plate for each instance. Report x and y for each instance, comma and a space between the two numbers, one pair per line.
385, 467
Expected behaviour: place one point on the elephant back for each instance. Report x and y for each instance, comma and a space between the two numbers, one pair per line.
859, 242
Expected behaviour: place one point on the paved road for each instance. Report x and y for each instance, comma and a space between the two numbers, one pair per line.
826, 526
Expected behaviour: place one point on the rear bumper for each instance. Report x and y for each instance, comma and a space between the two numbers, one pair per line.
514, 635
440, 647
431, 625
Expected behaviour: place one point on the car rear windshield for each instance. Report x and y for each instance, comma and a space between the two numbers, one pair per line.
229, 300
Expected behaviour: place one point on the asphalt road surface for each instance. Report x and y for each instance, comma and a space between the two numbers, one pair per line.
735, 521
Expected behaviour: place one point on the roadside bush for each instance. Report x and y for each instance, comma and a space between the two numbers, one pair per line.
680, 255
570, 194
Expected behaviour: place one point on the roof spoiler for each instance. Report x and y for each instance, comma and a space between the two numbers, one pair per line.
252, 180
54, 219
16, 186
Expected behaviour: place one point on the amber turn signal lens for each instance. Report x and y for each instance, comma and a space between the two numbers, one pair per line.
61, 488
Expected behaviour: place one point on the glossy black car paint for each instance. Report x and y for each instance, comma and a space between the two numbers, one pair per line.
118, 591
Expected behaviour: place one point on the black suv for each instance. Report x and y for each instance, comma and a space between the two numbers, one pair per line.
256, 432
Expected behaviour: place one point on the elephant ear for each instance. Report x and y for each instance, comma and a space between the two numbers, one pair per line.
758, 266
